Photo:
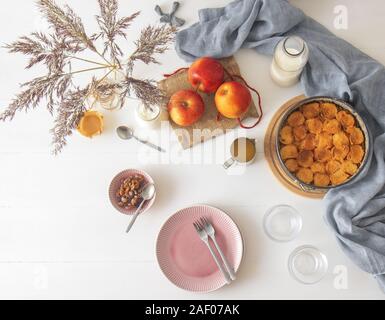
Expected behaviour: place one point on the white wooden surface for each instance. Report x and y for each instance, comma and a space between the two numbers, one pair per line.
59, 236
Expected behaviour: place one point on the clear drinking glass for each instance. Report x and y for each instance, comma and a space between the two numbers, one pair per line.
308, 265
148, 117
108, 98
282, 223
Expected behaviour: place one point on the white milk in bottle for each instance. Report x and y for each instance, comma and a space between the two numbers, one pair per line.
290, 57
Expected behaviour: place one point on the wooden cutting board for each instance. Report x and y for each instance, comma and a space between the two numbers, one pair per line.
209, 126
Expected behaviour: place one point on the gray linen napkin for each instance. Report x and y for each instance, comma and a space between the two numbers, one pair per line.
355, 212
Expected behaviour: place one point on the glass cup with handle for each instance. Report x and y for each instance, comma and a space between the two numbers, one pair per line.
243, 151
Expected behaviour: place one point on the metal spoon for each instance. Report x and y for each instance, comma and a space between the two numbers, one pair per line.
147, 194
127, 133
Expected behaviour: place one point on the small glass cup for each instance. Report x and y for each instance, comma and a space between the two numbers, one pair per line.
107, 98
282, 223
148, 117
243, 151
308, 265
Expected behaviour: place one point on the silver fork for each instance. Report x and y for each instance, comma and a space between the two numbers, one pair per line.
205, 238
211, 233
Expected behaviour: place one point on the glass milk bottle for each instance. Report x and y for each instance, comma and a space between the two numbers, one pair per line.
290, 57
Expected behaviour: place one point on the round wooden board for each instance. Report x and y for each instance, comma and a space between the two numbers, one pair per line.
272, 158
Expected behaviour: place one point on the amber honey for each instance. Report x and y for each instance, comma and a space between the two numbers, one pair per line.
243, 150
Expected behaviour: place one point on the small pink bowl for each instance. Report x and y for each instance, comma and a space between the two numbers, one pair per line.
115, 185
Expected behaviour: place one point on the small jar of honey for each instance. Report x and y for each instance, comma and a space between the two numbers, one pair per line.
243, 151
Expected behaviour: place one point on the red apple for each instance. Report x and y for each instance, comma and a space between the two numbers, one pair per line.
206, 74
186, 107
233, 100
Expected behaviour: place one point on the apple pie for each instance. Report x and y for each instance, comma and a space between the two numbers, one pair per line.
322, 144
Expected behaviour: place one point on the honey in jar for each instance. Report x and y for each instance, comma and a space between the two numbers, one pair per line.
243, 151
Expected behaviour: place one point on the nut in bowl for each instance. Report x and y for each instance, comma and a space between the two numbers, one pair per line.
125, 190
322, 143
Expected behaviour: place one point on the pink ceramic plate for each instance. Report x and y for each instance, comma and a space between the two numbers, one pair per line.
116, 183
185, 259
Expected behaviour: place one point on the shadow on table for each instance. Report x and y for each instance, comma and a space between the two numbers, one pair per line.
164, 187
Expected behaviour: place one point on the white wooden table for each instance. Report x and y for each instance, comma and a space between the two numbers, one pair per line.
59, 235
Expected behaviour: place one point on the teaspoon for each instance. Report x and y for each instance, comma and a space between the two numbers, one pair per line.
147, 194
127, 133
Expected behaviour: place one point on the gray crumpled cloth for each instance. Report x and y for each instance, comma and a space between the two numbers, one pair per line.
355, 212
